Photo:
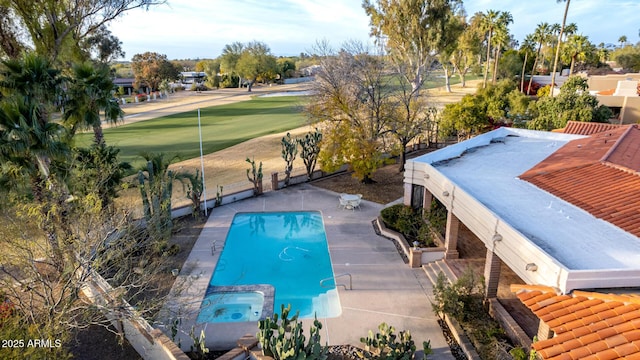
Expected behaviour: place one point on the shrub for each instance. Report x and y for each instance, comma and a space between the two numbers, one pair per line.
405, 220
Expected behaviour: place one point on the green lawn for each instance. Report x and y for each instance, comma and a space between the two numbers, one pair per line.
222, 126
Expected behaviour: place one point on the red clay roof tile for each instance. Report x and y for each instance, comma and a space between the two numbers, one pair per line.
576, 171
587, 128
611, 332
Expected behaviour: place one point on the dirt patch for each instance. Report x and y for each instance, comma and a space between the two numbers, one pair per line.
387, 186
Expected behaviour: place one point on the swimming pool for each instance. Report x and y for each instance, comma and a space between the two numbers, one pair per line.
287, 250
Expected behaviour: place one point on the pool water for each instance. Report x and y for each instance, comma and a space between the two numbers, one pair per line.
287, 250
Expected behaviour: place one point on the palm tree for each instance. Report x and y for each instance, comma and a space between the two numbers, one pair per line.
541, 34
30, 141
603, 53
501, 39
90, 93
555, 62
527, 47
490, 22
622, 40
570, 29
577, 48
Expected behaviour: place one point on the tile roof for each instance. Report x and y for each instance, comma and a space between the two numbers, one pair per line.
587, 128
598, 173
586, 325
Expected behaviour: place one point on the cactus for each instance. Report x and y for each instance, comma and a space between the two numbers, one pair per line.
256, 176
198, 350
310, 148
218, 201
388, 345
289, 152
283, 338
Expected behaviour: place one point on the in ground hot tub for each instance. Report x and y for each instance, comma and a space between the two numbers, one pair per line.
236, 303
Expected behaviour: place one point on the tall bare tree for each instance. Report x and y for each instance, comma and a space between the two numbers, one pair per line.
351, 104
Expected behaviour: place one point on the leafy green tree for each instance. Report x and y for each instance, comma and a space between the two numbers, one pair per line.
286, 67
467, 50
496, 105
413, 31
211, 69
58, 28
90, 93
510, 65
151, 68
230, 56
455, 27
256, 63
628, 57
103, 46
573, 103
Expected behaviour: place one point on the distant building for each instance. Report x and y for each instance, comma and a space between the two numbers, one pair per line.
190, 77
125, 83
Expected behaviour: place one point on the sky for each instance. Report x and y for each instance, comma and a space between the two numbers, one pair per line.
199, 29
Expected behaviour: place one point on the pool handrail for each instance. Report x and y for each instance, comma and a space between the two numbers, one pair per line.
336, 283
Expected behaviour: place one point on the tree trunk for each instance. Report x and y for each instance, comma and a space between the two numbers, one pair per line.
555, 62
447, 83
250, 85
535, 63
495, 67
573, 62
486, 68
403, 158
524, 65
98, 134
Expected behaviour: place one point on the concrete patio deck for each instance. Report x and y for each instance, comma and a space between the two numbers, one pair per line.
385, 289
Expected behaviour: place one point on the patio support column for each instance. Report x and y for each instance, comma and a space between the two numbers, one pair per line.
406, 200
491, 274
426, 200
451, 236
